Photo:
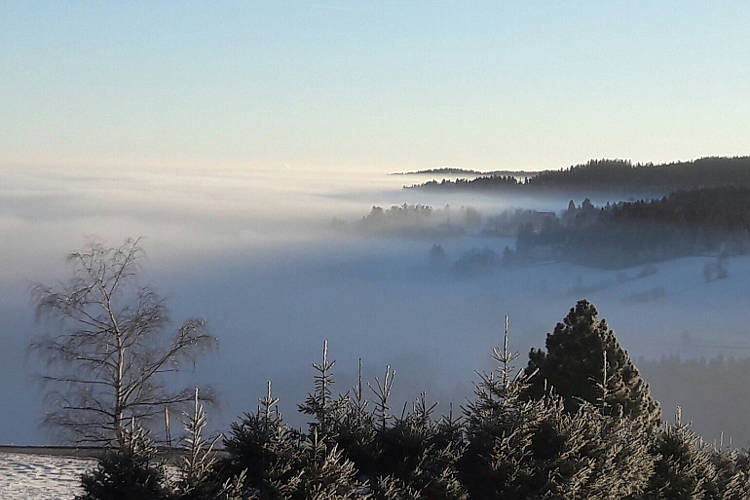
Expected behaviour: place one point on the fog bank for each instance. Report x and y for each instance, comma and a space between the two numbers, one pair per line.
255, 253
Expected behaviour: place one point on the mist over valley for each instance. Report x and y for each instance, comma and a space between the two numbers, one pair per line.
277, 261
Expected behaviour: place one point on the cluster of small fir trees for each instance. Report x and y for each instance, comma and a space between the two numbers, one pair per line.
577, 422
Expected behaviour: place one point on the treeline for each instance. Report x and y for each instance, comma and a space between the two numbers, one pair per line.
424, 221
577, 422
483, 182
711, 220
623, 174
443, 170
616, 176
464, 171
415, 221
724, 208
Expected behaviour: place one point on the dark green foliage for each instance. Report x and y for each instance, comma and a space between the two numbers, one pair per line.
327, 473
421, 453
320, 403
481, 182
619, 175
387, 487
574, 363
590, 431
616, 176
733, 473
355, 431
535, 448
684, 467
415, 221
281, 463
412, 449
708, 220
127, 474
267, 450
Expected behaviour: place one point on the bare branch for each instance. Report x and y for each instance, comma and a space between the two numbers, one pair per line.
105, 356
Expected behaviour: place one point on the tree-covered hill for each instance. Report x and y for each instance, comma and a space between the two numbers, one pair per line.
466, 171
619, 176
709, 220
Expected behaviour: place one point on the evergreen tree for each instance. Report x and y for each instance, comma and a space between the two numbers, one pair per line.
538, 449
416, 451
320, 403
733, 469
535, 448
492, 426
685, 465
197, 475
355, 431
573, 362
267, 450
327, 473
387, 487
129, 472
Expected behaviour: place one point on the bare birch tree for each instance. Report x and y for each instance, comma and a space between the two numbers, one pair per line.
107, 346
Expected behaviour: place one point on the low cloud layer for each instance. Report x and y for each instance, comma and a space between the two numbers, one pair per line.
256, 255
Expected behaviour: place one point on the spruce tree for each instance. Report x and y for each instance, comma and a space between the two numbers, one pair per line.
320, 403
535, 448
421, 454
355, 431
266, 449
132, 471
387, 487
197, 475
733, 469
684, 467
327, 473
576, 354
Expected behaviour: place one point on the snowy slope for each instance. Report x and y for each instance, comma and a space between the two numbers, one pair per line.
25, 476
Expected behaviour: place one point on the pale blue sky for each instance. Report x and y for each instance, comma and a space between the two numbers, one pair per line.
385, 85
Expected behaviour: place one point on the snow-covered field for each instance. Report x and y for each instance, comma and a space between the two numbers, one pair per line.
25, 476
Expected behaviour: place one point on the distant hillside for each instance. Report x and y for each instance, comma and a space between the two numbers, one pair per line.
614, 176
708, 221
469, 172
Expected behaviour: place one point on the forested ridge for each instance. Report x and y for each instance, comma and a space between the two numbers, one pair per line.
608, 175
465, 171
723, 208
701, 221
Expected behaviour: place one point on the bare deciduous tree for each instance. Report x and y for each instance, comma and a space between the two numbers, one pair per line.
108, 346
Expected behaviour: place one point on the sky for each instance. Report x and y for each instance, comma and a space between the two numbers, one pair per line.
370, 86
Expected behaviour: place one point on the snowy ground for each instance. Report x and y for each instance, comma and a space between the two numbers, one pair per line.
45, 477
